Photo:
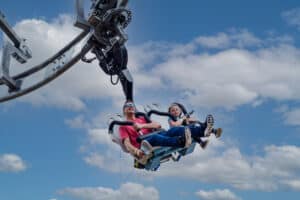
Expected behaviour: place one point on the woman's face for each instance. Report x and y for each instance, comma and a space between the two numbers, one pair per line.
175, 111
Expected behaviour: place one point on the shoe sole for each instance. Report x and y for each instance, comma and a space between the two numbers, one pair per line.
146, 147
209, 125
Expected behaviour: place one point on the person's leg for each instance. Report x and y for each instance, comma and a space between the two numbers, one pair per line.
203, 143
176, 131
179, 132
199, 131
196, 131
161, 140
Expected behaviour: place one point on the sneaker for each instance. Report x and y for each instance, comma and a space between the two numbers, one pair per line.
146, 147
218, 132
175, 156
188, 137
209, 125
204, 144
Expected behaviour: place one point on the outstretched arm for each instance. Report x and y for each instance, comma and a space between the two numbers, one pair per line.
152, 125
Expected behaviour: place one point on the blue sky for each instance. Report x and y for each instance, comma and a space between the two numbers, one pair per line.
238, 60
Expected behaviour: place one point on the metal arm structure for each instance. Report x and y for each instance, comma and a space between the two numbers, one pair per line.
105, 37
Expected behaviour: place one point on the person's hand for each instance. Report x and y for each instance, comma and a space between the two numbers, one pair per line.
192, 120
139, 153
185, 121
137, 126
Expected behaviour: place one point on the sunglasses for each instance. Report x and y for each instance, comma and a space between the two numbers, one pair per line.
128, 105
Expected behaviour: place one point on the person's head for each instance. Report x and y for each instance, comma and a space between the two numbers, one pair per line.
175, 110
128, 108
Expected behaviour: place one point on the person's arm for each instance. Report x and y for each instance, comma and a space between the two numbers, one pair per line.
132, 149
191, 119
151, 125
176, 123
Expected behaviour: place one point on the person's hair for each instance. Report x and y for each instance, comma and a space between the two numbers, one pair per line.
172, 105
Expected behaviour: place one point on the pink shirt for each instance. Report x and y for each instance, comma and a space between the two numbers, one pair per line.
131, 133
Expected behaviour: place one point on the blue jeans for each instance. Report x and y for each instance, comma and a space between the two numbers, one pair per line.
172, 136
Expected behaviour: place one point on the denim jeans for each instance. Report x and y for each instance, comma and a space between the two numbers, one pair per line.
171, 136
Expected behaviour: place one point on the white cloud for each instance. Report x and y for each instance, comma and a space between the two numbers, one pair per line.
127, 191
236, 38
99, 136
111, 157
231, 77
234, 77
217, 195
77, 122
269, 172
293, 184
11, 163
292, 17
221, 162
81, 82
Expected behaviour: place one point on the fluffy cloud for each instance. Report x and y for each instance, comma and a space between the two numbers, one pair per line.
244, 69
217, 195
77, 122
127, 191
103, 162
83, 81
220, 163
237, 38
11, 163
277, 168
292, 17
111, 158
291, 115
234, 77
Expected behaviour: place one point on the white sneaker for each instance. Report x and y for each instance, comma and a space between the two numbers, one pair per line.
209, 125
146, 147
175, 156
188, 137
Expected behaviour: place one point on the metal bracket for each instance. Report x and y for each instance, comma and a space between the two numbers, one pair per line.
18, 51
81, 22
8, 51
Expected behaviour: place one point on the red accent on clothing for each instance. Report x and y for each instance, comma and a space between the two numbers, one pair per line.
131, 133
